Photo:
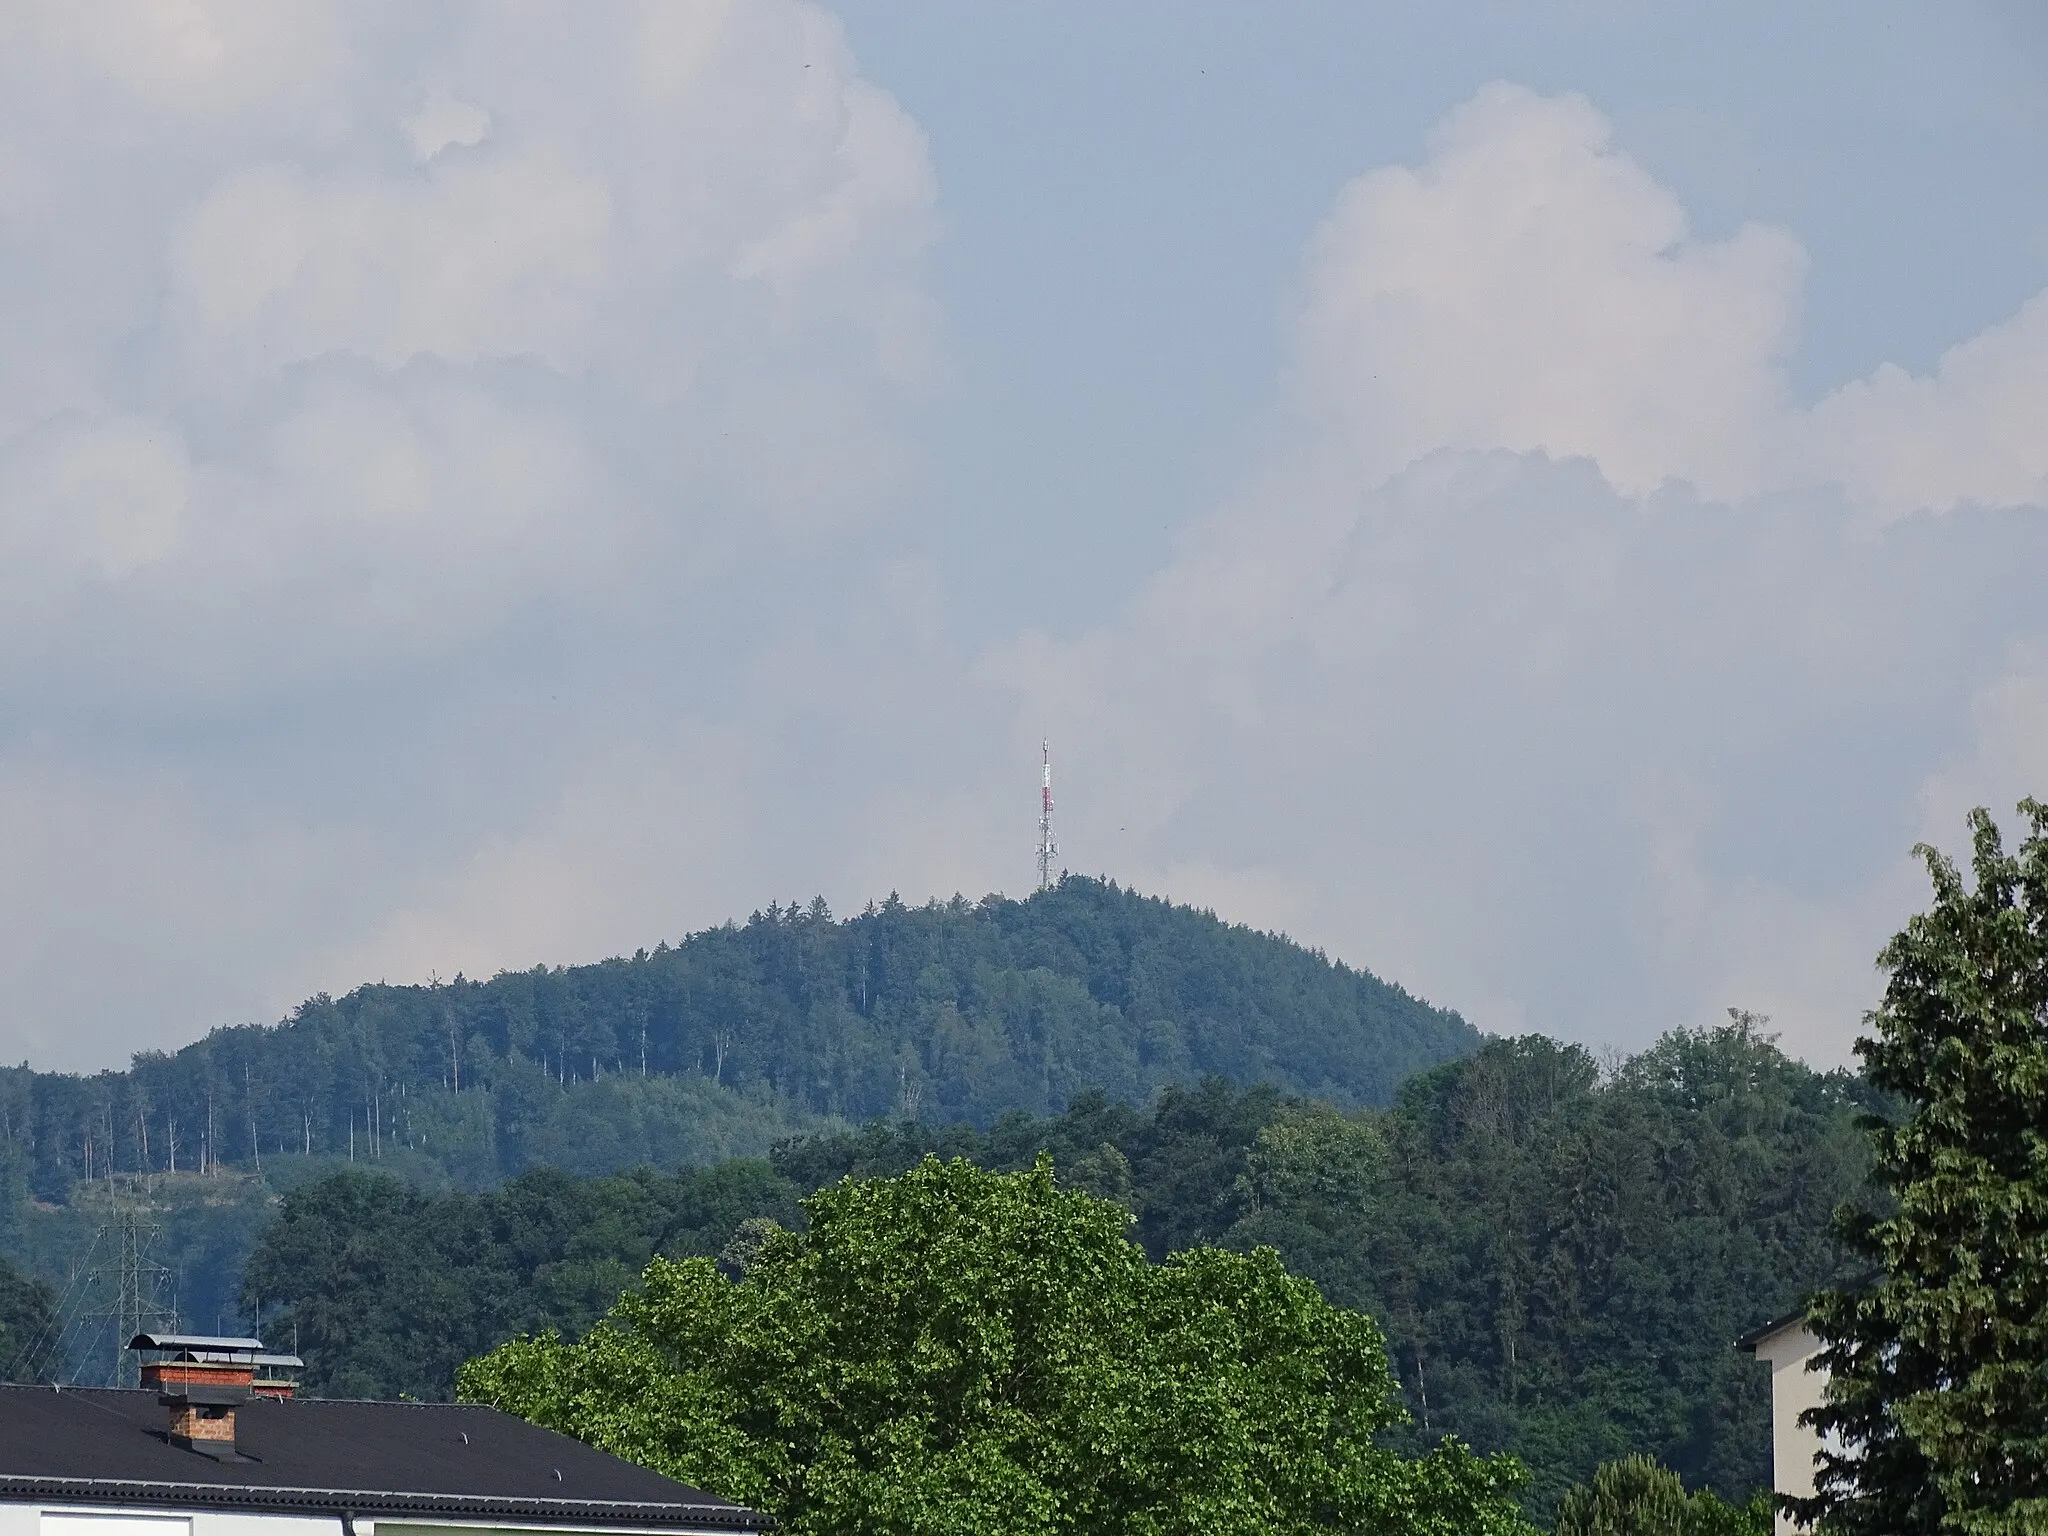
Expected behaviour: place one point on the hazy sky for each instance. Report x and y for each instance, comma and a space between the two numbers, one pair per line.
1548, 503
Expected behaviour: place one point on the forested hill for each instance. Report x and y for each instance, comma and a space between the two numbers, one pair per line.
735, 1037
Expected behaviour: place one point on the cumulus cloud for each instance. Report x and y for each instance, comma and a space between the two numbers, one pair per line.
499, 257
450, 472
1970, 431
1530, 286
376, 374
84, 497
195, 59
444, 120
1575, 760
1559, 662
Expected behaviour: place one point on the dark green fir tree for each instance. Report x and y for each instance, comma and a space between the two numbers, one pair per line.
1937, 1411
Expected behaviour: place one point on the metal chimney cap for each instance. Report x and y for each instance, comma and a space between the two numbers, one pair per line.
196, 1341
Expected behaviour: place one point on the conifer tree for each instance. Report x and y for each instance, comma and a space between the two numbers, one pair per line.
1637, 1497
1632, 1497
1937, 1409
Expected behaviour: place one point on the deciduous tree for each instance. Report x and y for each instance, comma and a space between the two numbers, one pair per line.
954, 1350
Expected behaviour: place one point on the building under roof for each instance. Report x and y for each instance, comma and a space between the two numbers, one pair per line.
206, 1447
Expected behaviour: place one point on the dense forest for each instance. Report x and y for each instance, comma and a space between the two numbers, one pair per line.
402, 1178
1560, 1258
734, 1039
191, 1234
28, 1317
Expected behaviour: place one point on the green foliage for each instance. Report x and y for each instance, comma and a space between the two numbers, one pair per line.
1559, 1260
737, 1037
1938, 1366
26, 1317
1637, 1497
388, 1288
951, 1350
197, 1229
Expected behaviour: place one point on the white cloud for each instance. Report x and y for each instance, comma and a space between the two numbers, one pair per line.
455, 525
444, 120
481, 258
637, 286
83, 497
1565, 759
377, 379
1969, 432
635, 848
1557, 663
193, 58
1531, 286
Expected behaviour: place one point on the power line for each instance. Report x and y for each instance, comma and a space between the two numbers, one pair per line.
106, 1303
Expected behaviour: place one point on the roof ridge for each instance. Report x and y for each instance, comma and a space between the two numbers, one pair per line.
70, 1390
231, 1495
107, 1447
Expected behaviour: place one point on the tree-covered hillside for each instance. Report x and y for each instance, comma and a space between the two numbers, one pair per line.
27, 1319
739, 1036
1560, 1261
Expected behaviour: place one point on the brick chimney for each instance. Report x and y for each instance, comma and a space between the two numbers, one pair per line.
202, 1380
276, 1376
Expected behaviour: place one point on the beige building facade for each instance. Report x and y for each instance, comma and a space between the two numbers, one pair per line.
1788, 1347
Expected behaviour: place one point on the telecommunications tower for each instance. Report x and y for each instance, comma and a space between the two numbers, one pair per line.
1048, 850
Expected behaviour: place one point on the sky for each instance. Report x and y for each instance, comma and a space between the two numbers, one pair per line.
1544, 503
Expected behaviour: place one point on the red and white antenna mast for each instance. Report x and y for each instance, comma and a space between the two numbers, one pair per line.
1048, 850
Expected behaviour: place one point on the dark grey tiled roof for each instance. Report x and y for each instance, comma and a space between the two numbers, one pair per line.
388, 1460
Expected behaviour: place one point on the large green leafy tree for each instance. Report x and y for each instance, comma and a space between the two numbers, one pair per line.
1938, 1397
954, 1350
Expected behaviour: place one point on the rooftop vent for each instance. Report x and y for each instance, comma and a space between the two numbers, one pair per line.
203, 1380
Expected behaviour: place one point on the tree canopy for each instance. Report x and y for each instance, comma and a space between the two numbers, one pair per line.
1637, 1497
739, 1036
26, 1323
389, 1288
1937, 1403
1558, 1258
954, 1350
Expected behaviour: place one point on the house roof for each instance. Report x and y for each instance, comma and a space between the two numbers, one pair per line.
1749, 1341
391, 1460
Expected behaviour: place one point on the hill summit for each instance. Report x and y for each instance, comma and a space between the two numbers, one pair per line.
737, 1036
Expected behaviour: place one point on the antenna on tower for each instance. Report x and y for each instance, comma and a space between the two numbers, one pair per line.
1048, 850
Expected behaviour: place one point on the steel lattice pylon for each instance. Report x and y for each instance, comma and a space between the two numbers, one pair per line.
117, 1291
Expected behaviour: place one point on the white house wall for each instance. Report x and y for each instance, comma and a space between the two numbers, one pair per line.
74, 1520
466, 1528
1794, 1390
207, 1522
